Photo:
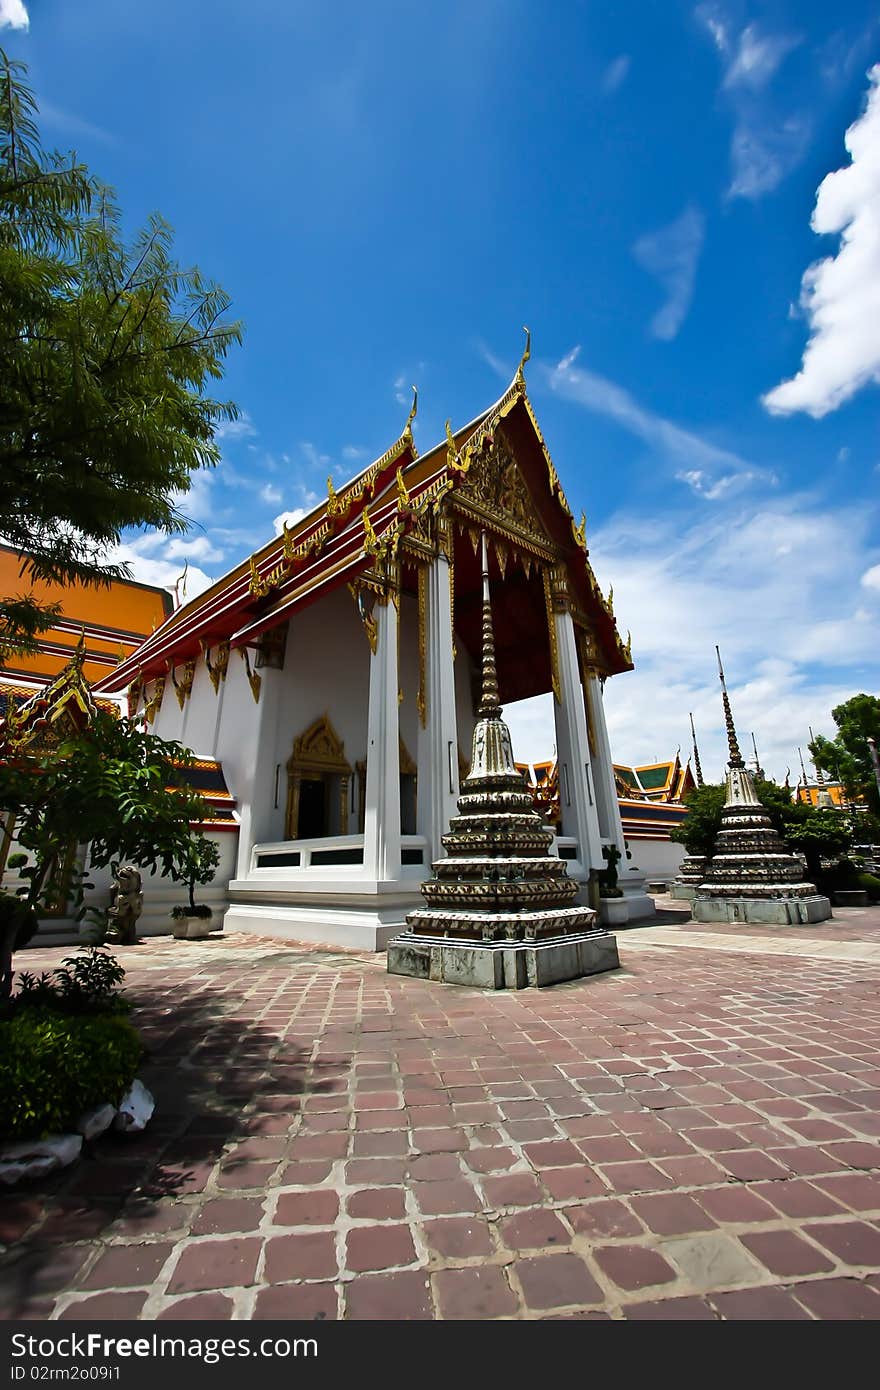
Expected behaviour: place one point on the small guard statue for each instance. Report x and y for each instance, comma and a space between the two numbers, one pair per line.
126, 904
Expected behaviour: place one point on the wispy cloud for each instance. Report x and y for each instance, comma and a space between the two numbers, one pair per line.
755, 57
13, 15
840, 295
72, 125
271, 494
766, 143
708, 469
616, 73
671, 255
242, 428
796, 640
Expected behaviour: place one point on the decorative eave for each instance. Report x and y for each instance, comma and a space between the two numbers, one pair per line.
359, 529
300, 560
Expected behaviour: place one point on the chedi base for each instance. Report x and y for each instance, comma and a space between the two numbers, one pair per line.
502, 964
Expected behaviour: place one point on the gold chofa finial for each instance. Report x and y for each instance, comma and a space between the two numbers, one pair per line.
371, 540
402, 493
580, 532
407, 429
520, 371
333, 506
451, 451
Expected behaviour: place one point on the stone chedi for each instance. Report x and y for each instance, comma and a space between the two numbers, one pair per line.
500, 910
751, 877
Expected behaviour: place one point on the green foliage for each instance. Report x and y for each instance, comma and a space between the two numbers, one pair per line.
848, 757
701, 824
816, 833
53, 1066
106, 353
870, 883
115, 787
83, 984
17, 920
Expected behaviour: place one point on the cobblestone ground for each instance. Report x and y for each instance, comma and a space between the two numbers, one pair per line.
693, 1136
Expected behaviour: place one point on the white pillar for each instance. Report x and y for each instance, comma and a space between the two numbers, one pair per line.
382, 796
250, 768
577, 798
630, 877
438, 741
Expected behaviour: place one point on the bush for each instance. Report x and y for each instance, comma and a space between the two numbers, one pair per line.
53, 1066
871, 884
83, 984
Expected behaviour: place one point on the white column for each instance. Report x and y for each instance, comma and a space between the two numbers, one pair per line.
438, 741
610, 825
246, 747
577, 798
630, 877
382, 796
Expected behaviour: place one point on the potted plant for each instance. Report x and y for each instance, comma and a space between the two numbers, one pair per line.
192, 920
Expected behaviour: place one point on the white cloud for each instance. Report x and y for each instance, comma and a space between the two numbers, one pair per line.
13, 15
596, 393
765, 145
762, 154
352, 453
788, 632
841, 294
288, 519
242, 428
871, 578
757, 57
615, 74
270, 493
164, 568
401, 391
313, 456
671, 254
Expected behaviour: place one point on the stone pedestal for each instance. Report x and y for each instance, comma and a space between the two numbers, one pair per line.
780, 912
503, 964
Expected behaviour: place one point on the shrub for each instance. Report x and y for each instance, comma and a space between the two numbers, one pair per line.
871, 885
53, 1066
83, 984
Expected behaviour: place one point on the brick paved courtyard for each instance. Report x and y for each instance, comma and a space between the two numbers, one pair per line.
694, 1136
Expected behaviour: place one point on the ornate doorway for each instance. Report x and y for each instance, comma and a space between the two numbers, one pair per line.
318, 778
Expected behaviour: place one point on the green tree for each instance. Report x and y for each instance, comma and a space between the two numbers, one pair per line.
114, 787
107, 350
703, 820
848, 756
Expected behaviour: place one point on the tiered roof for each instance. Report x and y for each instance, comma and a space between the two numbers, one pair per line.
361, 524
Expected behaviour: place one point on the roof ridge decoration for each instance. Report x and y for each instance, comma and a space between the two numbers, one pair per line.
338, 507
35, 717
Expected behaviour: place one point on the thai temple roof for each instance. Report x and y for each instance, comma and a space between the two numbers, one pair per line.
664, 781
112, 618
361, 524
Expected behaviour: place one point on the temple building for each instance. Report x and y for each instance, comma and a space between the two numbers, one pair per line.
334, 677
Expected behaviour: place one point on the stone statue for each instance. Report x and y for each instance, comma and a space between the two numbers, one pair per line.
126, 904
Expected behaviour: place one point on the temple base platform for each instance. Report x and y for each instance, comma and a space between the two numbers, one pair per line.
780, 912
502, 964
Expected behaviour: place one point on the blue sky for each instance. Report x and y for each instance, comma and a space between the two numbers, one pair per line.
390, 191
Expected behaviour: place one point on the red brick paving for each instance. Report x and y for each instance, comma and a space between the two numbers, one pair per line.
692, 1137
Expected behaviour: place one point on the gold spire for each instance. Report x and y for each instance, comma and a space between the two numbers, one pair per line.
490, 704
733, 746
527, 352
333, 503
